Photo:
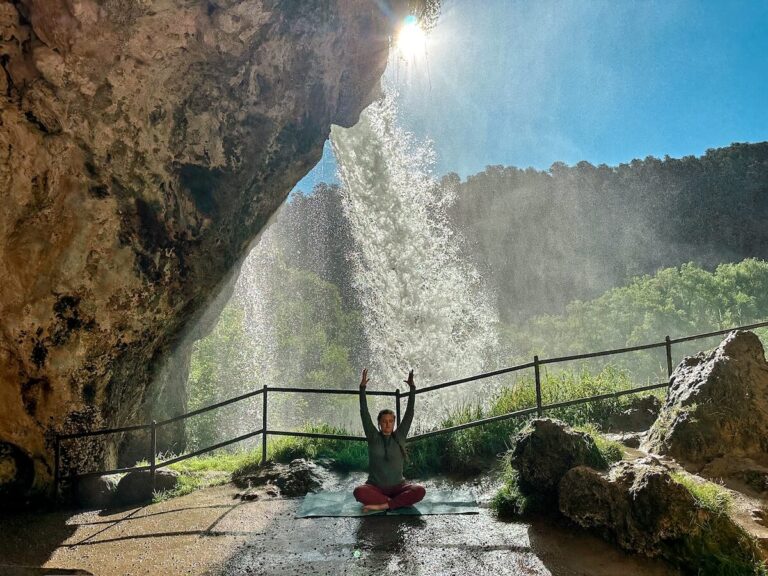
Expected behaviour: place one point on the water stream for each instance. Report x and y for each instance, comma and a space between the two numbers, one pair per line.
423, 306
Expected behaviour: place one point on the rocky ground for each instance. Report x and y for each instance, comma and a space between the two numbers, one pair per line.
214, 532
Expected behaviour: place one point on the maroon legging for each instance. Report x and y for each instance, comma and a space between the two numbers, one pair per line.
403, 494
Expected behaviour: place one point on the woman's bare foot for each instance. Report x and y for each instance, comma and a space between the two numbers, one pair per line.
375, 507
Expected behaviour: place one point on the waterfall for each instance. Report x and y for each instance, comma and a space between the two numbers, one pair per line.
423, 306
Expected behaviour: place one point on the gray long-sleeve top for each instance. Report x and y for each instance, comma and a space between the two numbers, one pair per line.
385, 460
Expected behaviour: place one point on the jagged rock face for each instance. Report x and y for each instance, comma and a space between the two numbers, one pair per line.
641, 507
143, 145
638, 417
716, 405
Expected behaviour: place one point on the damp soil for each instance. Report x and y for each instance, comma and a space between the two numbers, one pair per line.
214, 532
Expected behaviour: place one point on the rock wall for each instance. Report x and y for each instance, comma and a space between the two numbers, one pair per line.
143, 145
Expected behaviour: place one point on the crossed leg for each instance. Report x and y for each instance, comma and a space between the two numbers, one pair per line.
377, 498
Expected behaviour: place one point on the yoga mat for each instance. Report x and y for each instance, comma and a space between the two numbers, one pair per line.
334, 504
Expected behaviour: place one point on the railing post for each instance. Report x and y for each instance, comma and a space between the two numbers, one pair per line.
397, 405
56, 469
537, 375
668, 343
153, 455
264, 427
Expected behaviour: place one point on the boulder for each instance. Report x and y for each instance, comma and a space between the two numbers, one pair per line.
637, 504
136, 487
294, 479
641, 507
546, 449
97, 492
716, 405
638, 416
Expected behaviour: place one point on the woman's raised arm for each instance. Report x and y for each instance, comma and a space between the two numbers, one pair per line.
365, 416
405, 424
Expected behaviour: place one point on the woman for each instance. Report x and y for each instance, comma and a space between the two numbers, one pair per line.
386, 488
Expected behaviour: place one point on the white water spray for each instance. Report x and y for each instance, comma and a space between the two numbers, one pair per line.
423, 306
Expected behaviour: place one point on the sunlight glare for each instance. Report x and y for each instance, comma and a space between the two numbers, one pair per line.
410, 40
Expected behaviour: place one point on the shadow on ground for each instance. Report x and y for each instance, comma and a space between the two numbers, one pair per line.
214, 533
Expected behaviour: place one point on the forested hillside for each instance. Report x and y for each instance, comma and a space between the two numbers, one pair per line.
543, 239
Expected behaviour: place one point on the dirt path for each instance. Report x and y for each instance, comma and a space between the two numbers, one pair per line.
211, 532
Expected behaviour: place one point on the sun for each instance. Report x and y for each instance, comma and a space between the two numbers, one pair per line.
410, 40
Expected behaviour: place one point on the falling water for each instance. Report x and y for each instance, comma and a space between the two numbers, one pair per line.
423, 305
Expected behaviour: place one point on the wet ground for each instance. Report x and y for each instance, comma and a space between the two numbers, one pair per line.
213, 533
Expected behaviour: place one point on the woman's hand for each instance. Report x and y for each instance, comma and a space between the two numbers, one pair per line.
410, 383
364, 379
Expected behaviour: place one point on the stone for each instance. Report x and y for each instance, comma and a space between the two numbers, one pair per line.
294, 479
637, 417
142, 151
16, 473
136, 487
716, 405
749, 475
546, 449
640, 506
97, 492
628, 439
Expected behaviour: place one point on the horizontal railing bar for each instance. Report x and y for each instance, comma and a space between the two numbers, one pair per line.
106, 472
604, 353
209, 449
719, 332
332, 391
642, 388
567, 403
458, 427
212, 407
104, 431
315, 435
471, 378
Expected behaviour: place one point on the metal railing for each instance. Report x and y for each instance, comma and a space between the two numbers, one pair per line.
539, 409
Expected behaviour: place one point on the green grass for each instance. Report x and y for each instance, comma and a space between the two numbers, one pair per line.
510, 502
199, 472
708, 495
611, 450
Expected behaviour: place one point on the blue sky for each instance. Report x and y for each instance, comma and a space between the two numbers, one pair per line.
526, 83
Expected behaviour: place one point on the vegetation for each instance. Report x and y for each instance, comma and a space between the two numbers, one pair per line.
543, 239
474, 449
676, 301
708, 495
610, 450
211, 469
509, 501
721, 548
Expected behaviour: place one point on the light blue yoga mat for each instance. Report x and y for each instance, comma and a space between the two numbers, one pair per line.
321, 504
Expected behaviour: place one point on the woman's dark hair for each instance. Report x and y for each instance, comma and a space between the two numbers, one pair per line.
399, 445
385, 411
